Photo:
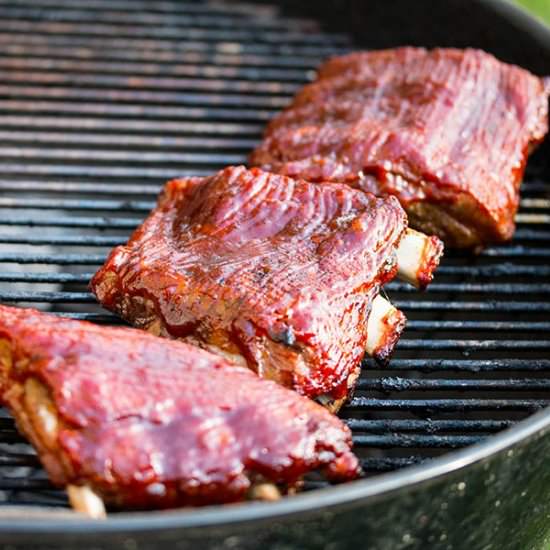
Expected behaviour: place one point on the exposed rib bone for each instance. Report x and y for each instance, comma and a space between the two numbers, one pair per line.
264, 491
85, 501
41, 411
334, 405
417, 258
46, 424
384, 328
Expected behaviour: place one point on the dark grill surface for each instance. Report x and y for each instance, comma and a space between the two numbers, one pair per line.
101, 102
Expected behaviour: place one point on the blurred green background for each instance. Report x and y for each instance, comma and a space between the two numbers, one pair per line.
538, 7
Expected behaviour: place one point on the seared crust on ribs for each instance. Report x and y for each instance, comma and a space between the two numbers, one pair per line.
150, 423
447, 131
277, 273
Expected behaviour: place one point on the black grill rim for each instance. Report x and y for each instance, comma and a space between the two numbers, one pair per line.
378, 487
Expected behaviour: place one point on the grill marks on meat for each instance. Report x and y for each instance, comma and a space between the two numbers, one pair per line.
447, 131
273, 272
151, 423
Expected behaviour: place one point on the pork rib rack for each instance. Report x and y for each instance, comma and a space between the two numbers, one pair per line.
274, 273
121, 416
447, 131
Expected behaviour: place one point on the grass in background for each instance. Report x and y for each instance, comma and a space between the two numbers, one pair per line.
537, 7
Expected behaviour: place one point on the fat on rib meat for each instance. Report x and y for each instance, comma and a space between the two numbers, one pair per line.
273, 272
151, 423
447, 131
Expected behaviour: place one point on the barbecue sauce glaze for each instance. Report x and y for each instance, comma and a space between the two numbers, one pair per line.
152, 423
277, 273
447, 131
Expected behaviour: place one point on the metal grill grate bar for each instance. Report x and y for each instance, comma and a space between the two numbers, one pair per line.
64, 187
181, 58
470, 365
69, 240
496, 326
387, 384
277, 76
94, 170
195, 23
305, 54
427, 406
126, 206
25, 484
138, 157
195, 17
143, 6
141, 126
416, 441
433, 426
389, 463
174, 92
204, 85
123, 141
245, 35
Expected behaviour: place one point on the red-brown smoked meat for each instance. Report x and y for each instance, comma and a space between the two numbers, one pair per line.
447, 131
153, 423
273, 271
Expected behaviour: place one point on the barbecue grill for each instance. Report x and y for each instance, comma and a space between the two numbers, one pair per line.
101, 102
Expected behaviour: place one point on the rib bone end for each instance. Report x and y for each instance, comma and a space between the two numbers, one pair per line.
44, 424
264, 491
418, 257
384, 327
84, 500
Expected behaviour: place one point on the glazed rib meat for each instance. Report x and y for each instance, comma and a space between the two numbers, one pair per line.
144, 422
275, 273
447, 131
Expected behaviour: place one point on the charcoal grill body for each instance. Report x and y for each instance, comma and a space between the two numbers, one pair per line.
493, 493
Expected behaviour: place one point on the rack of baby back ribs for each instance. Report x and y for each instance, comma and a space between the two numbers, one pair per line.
258, 290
